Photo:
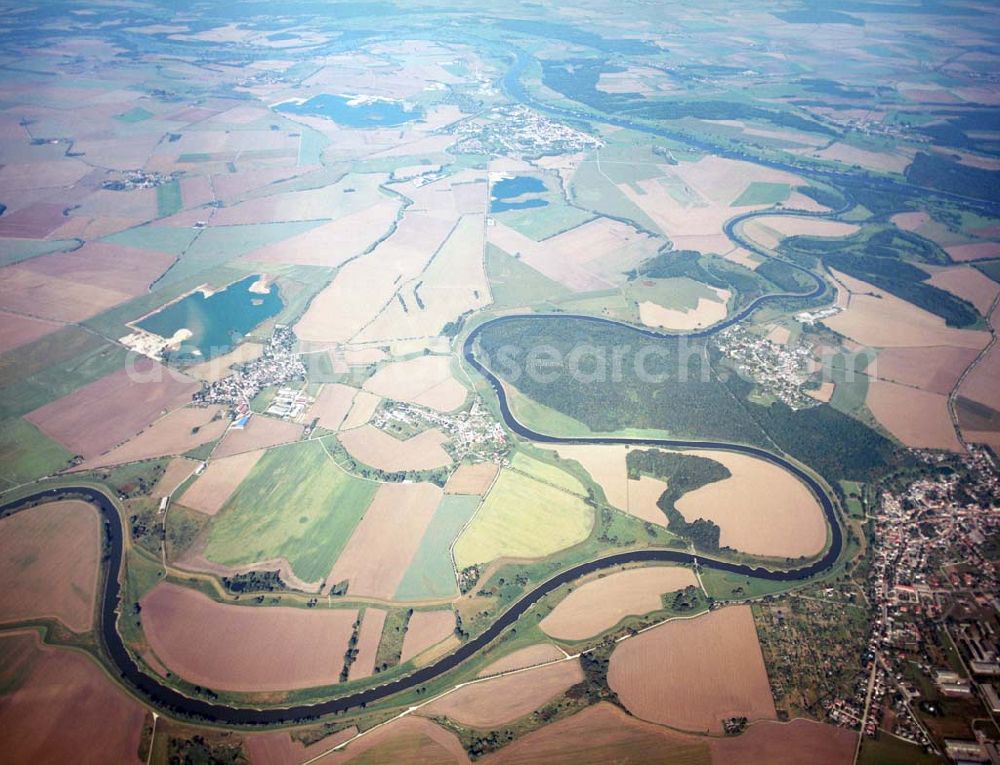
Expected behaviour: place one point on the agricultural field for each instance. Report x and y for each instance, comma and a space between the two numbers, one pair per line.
384, 542
501, 700
425, 380
216, 484
507, 525
431, 572
243, 648
88, 720
706, 669
295, 504
601, 603
381, 450
382, 324
50, 561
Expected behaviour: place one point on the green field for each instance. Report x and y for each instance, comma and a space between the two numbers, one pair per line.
592, 190
218, 244
523, 518
431, 573
159, 238
762, 193
517, 284
610, 303
295, 504
680, 293
542, 222
889, 750
168, 199
16, 250
547, 473
52, 367
27, 454
138, 114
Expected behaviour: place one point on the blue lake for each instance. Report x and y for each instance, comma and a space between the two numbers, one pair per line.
512, 189
366, 114
217, 322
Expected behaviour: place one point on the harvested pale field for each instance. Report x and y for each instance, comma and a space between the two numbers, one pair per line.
172, 434
723, 180
523, 518
774, 743
895, 407
472, 479
603, 734
593, 256
823, 393
453, 284
779, 334
425, 630
123, 270
502, 700
606, 465
332, 244
102, 414
910, 221
967, 283
216, 484
691, 203
368, 640
599, 604
384, 542
178, 470
693, 673
761, 509
362, 409
245, 648
261, 432
643, 494
59, 706
933, 368
877, 319
409, 740
332, 405
49, 560
278, 748
981, 384
379, 449
884, 161
706, 313
25, 291
769, 231
16, 330
540, 653
364, 286
975, 251
219, 367
425, 380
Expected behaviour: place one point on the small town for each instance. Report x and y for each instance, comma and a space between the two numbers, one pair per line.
933, 651
520, 132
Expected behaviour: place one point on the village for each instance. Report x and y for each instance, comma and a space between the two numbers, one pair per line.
279, 363
473, 433
778, 370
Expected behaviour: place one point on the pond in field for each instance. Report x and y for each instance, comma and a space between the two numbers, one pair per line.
217, 321
517, 193
354, 111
